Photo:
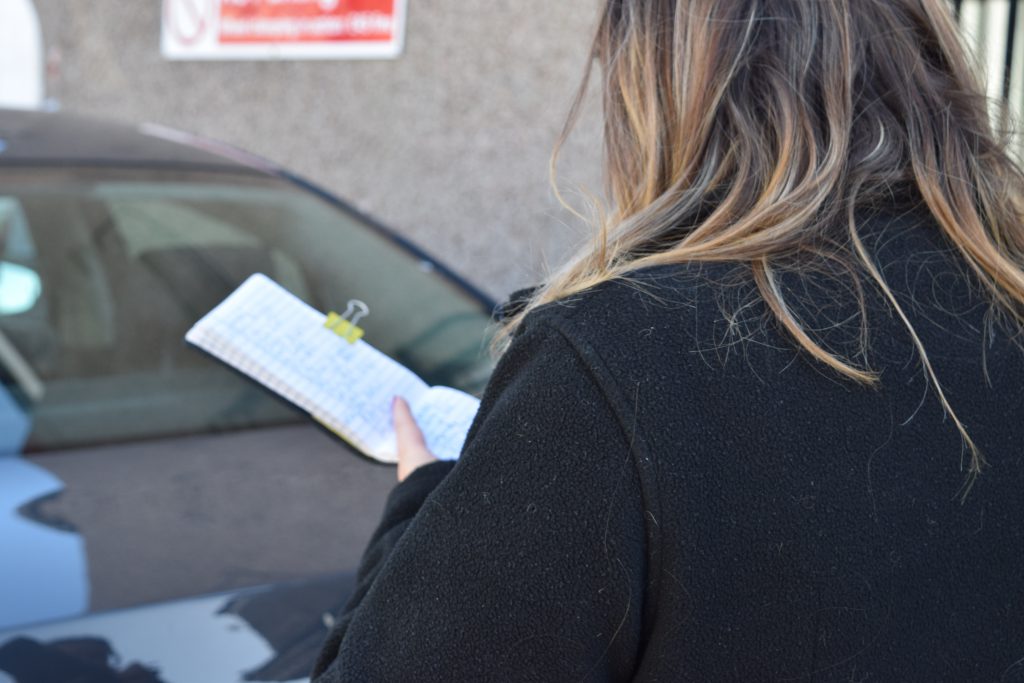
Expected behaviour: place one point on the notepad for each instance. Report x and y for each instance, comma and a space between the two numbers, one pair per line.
274, 337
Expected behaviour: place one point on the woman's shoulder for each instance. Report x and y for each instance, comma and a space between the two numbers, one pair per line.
643, 296
713, 315
683, 306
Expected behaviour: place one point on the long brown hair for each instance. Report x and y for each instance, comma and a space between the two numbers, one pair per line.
745, 130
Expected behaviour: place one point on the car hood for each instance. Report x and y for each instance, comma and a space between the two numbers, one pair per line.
134, 532
271, 633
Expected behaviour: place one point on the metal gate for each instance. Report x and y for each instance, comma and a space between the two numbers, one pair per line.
995, 33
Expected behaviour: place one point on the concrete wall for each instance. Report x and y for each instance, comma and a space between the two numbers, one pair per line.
448, 144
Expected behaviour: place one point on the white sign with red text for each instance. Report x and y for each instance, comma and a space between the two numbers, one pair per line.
282, 29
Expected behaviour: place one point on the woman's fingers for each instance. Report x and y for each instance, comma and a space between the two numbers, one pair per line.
412, 447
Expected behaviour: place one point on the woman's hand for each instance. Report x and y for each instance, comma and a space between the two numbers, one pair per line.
412, 447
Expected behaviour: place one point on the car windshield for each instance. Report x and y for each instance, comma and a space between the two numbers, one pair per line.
102, 273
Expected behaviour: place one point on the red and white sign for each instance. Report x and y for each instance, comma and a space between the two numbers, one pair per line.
282, 29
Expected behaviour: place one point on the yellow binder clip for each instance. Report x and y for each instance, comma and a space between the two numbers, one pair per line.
344, 325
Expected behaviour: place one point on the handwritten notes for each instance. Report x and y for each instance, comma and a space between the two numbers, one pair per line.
274, 337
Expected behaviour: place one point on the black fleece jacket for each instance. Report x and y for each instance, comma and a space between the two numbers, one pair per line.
660, 487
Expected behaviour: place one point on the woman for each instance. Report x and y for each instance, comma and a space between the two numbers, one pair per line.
769, 426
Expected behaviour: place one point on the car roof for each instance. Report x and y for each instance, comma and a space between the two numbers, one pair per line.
36, 138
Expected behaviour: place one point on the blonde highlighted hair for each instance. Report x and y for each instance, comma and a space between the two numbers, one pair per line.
749, 130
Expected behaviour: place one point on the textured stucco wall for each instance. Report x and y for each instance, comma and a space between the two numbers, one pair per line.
448, 144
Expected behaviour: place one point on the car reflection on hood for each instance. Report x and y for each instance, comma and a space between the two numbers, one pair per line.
263, 634
47, 577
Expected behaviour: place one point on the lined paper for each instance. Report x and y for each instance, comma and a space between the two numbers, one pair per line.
277, 339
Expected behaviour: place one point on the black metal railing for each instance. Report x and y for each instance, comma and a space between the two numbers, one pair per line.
994, 33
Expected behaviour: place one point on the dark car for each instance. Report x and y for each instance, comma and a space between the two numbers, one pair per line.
161, 516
